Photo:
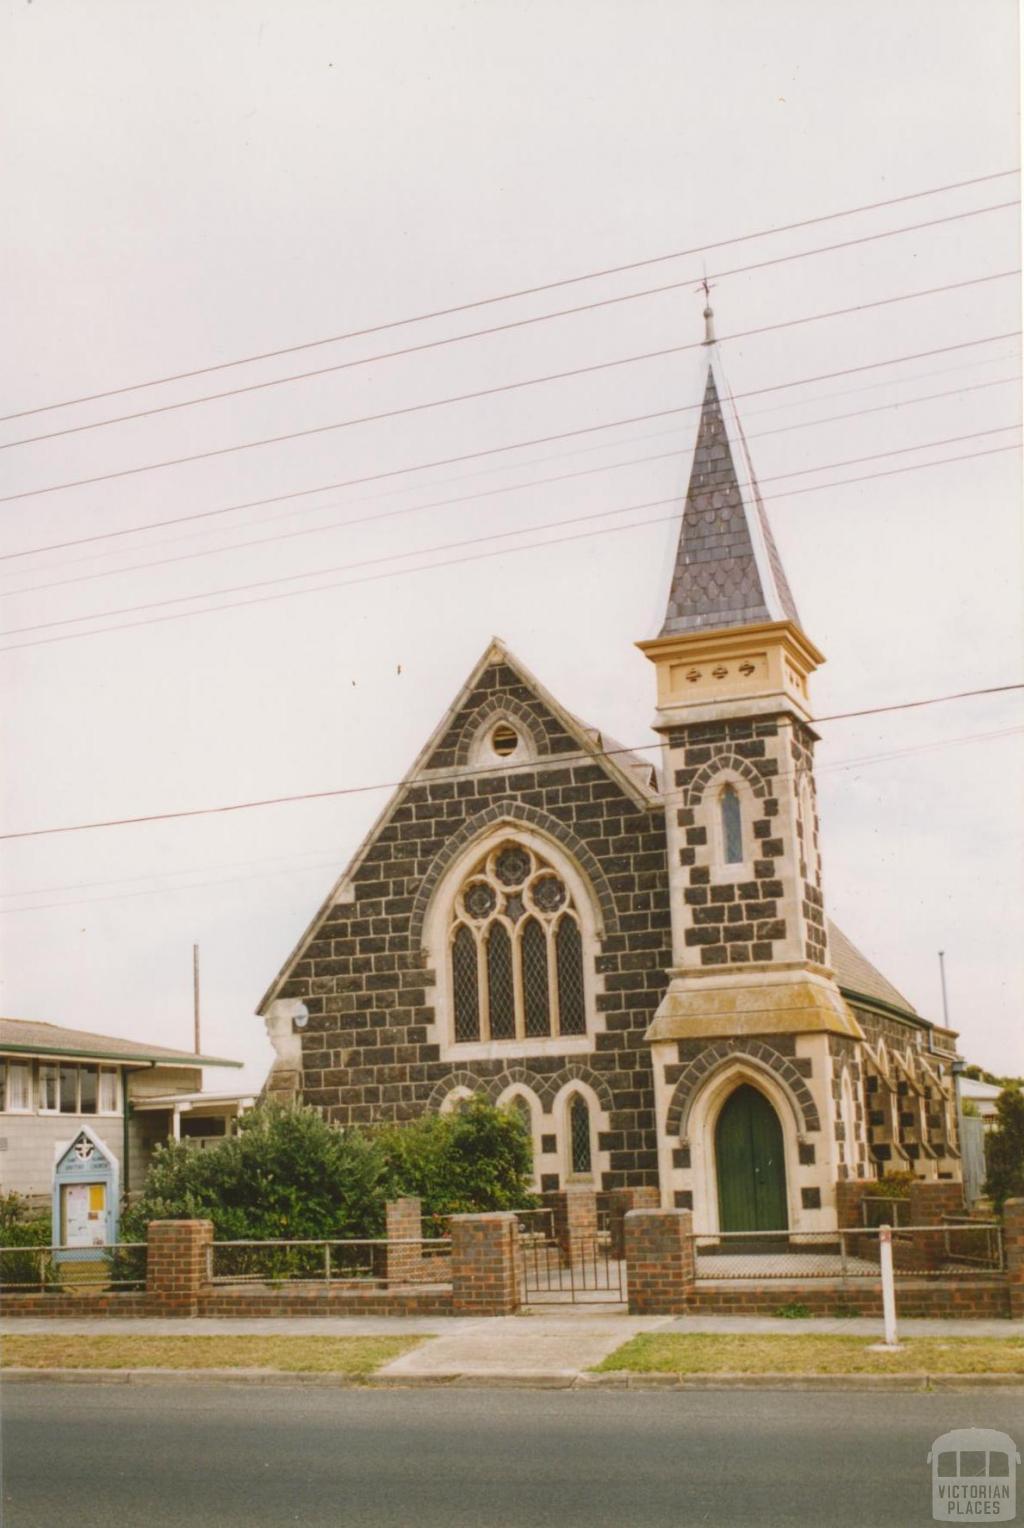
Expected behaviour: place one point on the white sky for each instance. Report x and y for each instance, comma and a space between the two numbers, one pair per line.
186, 184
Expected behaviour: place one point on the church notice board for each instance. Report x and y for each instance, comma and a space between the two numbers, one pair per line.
85, 1198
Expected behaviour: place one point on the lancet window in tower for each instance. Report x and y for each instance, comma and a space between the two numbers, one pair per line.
516, 951
732, 826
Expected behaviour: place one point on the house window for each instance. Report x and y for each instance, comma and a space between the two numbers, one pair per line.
732, 826
69, 1090
49, 1096
19, 1087
516, 951
108, 1090
580, 1158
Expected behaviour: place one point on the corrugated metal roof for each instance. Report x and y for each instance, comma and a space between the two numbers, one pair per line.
32, 1035
855, 972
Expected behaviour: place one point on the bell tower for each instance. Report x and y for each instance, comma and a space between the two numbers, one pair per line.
751, 977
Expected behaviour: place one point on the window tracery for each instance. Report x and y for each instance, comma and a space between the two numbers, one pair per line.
516, 950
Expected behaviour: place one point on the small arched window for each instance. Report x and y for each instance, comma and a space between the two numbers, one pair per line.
732, 826
516, 951
580, 1157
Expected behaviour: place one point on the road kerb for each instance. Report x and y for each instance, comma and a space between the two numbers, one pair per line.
558, 1379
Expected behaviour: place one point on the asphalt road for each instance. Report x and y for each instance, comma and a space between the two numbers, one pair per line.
94, 1456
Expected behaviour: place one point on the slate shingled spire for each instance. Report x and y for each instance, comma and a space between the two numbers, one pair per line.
727, 570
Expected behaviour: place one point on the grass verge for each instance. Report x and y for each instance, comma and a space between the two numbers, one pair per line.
735, 1353
355, 1356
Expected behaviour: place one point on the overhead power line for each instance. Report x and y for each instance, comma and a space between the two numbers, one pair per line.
488, 451
852, 461
504, 769
490, 392
470, 557
486, 493
541, 318
507, 296
862, 761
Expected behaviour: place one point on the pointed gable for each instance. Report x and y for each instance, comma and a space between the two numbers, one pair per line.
727, 570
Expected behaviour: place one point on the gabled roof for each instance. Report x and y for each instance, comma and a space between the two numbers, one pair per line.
635, 777
33, 1038
857, 977
727, 569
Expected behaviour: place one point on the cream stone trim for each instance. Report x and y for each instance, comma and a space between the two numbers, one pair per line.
777, 1003
729, 665
707, 1107
600, 1161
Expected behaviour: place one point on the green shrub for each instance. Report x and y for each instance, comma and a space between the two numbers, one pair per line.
794, 1312
21, 1226
289, 1175
1004, 1150
893, 1186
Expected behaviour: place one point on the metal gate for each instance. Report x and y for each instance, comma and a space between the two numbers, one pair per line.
552, 1275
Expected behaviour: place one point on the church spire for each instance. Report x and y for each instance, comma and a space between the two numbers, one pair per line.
727, 569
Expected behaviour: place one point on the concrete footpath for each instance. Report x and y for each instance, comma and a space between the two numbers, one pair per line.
550, 1350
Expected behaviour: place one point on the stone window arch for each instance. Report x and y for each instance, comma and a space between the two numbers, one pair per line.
513, 938
730, 805
455, 1101
527, 1105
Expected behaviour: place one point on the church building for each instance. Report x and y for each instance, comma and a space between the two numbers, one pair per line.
639, 960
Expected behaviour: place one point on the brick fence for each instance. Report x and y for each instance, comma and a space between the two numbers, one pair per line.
479, 1278
661, 1275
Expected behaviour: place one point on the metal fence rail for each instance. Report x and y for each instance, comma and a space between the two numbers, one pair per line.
549, 1274
376, 1260
120, 1265
963, 1249
882, 1210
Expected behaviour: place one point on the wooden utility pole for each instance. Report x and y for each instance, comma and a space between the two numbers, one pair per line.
195, 996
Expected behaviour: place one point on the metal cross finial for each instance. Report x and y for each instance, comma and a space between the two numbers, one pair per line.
709, 316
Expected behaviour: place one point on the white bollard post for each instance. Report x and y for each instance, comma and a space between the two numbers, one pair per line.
888, 1286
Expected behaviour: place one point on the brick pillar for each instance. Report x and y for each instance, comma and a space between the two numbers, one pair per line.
1013, 1247
659, 1262
849, 1193
575, 1221
484, 1264
930, 1201
404, 1264
620, 1202
176, 1263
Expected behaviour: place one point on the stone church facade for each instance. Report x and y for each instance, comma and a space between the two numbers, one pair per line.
639, 961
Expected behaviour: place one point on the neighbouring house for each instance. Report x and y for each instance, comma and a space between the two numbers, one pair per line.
131, 1094
983, 1096
638, 960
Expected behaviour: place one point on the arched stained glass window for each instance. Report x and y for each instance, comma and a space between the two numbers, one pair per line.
732, 825
579, 1135
516, 950
501, 1005
465, 986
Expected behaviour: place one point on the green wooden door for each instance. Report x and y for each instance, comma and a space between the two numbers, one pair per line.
751, 1164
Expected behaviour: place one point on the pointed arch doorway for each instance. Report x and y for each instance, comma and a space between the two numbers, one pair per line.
751, 1165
